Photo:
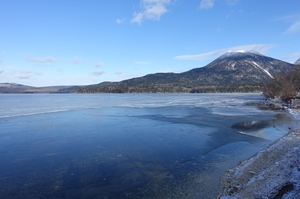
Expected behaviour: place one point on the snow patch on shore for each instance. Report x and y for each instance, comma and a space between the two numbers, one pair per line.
273, 172
295, 113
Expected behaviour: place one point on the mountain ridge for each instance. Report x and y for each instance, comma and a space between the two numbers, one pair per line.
241, 71
231, 72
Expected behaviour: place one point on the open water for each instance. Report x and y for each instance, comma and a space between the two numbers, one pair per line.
128, 145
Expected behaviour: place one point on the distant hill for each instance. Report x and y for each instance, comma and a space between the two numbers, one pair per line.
297, 62
19, 88
241, 71
231, 72
13, 88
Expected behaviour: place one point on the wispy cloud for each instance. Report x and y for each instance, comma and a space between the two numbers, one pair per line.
151, 10
97, 73
261, 48
76, 60
141, 62
25, 74
293, 57
206, 4
119, 21
287, 18
37, 73
294, 28
99, 64
1, 71
293, 20
120, 73
40, 59
232, 2
124, 75
11, 67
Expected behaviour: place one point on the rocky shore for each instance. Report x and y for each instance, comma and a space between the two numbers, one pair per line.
272, 173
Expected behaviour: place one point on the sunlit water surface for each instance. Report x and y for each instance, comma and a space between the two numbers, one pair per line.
128, 145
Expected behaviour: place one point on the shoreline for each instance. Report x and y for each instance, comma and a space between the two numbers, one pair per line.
274, 172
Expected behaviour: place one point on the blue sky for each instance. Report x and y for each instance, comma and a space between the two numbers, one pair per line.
75, 42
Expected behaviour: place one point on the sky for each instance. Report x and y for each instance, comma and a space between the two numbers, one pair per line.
76, 42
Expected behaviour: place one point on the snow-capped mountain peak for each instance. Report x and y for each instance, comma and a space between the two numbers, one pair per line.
239, 53
297, 62
245, 66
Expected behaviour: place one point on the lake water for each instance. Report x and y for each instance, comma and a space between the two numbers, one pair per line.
128, 145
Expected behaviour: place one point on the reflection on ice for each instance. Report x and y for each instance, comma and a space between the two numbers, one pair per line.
251, 125
266, 129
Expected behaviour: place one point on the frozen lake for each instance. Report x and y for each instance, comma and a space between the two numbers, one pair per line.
128, 145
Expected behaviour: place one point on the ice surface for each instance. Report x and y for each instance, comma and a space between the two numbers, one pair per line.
149, 145
38, 104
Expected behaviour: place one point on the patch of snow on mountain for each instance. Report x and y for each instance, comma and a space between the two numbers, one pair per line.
239, 53
232, 65
267, 72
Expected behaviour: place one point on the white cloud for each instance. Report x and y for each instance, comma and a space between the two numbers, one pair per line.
76, 60
119, 21
206, 4
151, 10
261, 48
40, 60
99, 64
97, 73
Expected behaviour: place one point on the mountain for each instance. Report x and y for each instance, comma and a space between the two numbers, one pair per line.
238, 69
297, 62
241, 71
19, 88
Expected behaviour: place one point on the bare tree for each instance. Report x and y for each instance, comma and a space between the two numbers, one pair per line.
284, 85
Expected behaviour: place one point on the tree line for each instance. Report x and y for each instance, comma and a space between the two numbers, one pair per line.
284, 85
